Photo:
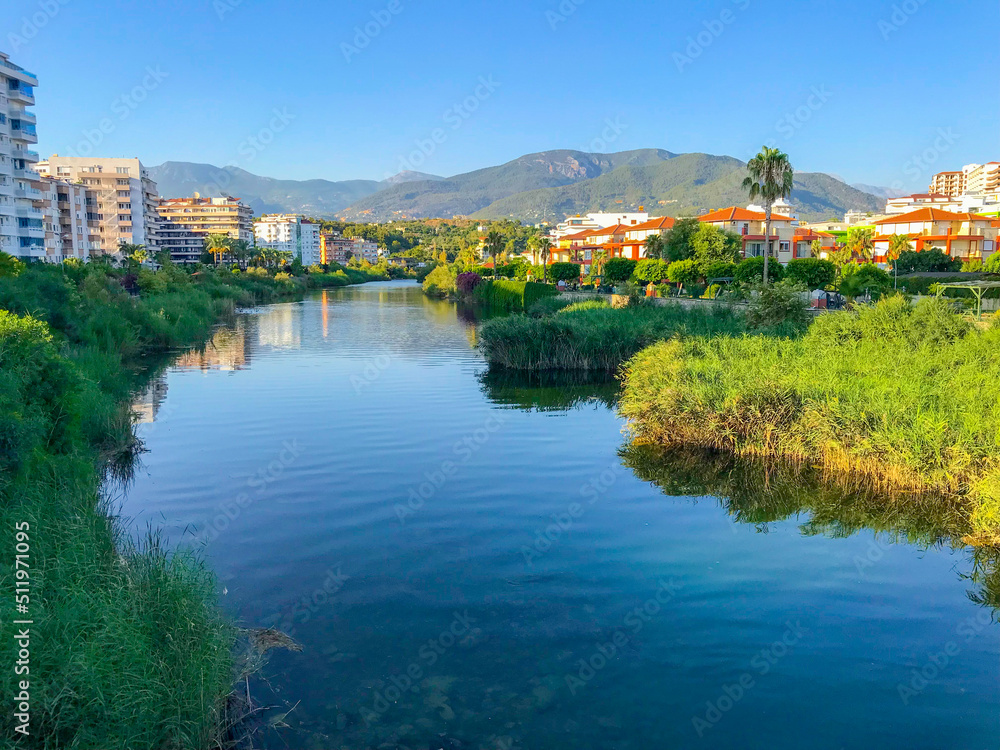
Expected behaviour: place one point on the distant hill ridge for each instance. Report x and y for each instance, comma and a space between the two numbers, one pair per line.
545, 186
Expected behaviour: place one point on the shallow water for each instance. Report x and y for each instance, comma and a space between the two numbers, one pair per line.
467, 562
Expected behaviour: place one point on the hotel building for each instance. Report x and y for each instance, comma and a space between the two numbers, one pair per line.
207, 216
290, 233
22, 215
126, 199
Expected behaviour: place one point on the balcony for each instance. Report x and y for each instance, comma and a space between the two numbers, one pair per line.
28, 193
22, 95
26, 174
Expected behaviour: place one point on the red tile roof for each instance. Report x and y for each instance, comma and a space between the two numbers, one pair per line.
930, 214
658, 222
739, 214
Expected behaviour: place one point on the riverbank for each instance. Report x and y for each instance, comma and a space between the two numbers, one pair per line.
590, 336
128, 646
902, 396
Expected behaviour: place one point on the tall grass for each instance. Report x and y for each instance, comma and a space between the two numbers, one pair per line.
596, 338
129, 649
904, 396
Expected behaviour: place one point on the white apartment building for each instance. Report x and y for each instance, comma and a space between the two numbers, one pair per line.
983, 179
68, 226
22, 218
365, 249
290, 233
576, 224
126, 198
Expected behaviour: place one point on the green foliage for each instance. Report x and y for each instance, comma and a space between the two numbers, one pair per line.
712, 245
618, 270
720, 270
974, 265
440, 282
812, 273
858, 280
890, 394
683, 271
651, 270
992, 264
564, 272
9, 265
503, 294
589, 304
927, 260
677, 242
751, 271
783, 302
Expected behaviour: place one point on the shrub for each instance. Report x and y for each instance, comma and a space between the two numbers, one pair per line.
590, 304
549, 305
719, 270
972, 266
503, 294
782, 302
992, 264
618, 270
466, 283
651, 270
927, 260
440, 282
9, 265
282, 276
683, 271
751, 271
713, 245
812, 273
564, 272
867, 278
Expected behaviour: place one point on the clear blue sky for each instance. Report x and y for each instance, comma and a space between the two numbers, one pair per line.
875, 83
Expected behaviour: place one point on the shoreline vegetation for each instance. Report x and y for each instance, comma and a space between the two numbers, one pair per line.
136, 651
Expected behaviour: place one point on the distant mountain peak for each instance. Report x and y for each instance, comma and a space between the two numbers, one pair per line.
408, 175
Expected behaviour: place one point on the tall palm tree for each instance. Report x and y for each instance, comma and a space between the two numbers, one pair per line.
218, 244
861, 241
770, 178
545, 250
242, 251
898, 244
494, 245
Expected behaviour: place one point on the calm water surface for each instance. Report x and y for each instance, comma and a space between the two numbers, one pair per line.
467, 562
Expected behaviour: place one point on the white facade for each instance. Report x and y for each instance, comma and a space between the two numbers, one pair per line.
22, 216
575, 224
125, 198
290, 233
365, 249
67, 233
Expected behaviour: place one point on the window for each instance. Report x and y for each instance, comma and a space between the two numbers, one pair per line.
124, 206
122, 182
124, 193
784, 247
121, 170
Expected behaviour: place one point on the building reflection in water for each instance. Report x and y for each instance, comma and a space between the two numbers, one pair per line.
147, 403
226, 350
280, 327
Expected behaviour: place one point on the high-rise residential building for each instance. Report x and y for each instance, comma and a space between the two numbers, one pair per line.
22, 230
183, 243
126, 197
290, 233
69, 220
207, 216
983, 179
950, 184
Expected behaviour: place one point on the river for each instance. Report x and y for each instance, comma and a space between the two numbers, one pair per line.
468, 562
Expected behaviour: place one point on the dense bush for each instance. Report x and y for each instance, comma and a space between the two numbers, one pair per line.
751, 271
891, 392
683, 272
441, 282
618, 270
926, 261
466, 283
651, 270
502, 294
858, 280
992, 264
782, 302
812, 273
720, 270
712, 245
564, 272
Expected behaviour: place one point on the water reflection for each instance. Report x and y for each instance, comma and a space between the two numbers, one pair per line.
549, 391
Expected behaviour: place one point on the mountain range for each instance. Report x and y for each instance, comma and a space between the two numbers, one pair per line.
545, 186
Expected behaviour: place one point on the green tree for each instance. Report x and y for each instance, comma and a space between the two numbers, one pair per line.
683, 272
218, 245
545, 251
770, 178
861, 243
859, 280
564, 272
677, 242
9, 265
751, 271
618, 270
812, 273
654, 246
651, 270
898, 244
494, 245
714, 245
242, 251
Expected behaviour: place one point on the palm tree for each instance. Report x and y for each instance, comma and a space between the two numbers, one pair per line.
898, 244
545, 250
654, 246
861, 242
242, 251
494, 245
533, 242
218, 244
770, 178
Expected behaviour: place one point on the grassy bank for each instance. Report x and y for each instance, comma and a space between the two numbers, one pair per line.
128, 647
592, 337
903, 396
